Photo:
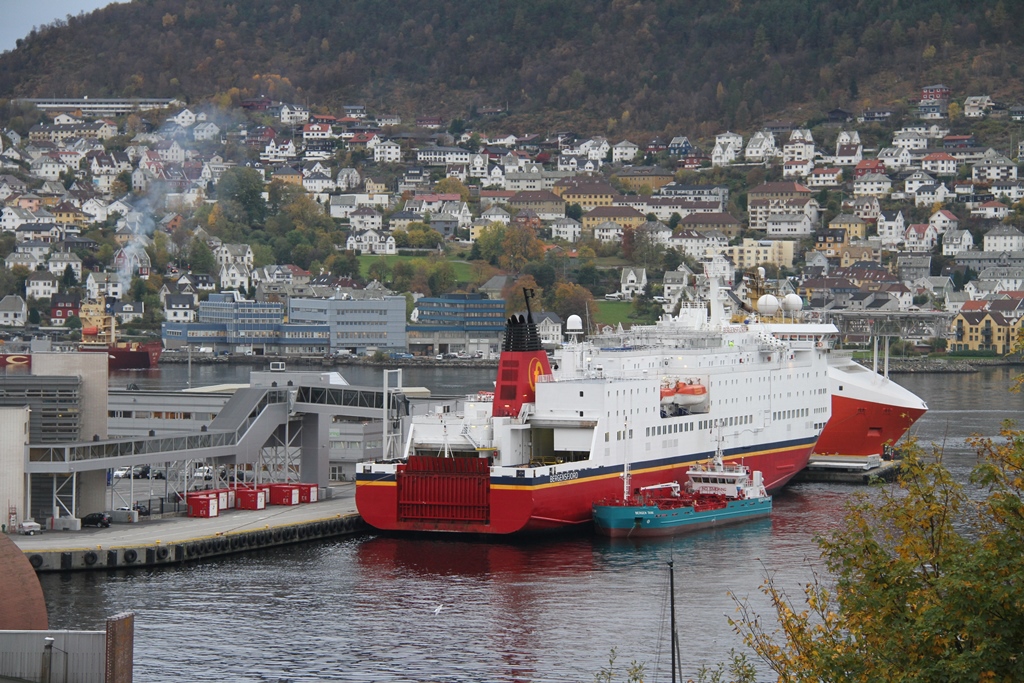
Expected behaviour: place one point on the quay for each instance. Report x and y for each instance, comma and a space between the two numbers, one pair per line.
176, 540
839, 469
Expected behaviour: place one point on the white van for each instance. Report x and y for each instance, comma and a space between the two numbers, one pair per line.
614, 296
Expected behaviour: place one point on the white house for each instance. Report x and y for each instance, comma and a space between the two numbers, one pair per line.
233, 253
292, 114
365, 218
234, 276
993, 210
760, 147
624, 151
101, 285
371, 242
944, 220
179, 308
13, 311
956, 241
567, 229
42, 284
1003, 238
891, 227
727, 148
872, 185
920, 237
387, 152
917, 180
633, 281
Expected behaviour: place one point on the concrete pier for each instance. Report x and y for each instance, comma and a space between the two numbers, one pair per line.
174, 540
840, 470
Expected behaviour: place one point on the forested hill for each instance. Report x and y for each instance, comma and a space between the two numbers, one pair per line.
644, 66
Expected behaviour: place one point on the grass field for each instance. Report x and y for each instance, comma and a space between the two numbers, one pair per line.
463, 270
613, 312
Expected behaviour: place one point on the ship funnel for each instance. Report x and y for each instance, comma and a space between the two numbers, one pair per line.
522, 361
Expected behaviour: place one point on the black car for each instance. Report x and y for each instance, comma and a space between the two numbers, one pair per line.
97, 519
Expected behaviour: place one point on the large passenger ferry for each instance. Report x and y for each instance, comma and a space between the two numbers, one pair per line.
553, 437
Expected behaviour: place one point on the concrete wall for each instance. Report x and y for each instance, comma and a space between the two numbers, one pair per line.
14, 428
92, 368
24, 655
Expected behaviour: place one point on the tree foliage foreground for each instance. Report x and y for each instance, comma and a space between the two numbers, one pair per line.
926, 581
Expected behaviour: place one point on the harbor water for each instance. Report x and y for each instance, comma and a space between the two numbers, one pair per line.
381, 608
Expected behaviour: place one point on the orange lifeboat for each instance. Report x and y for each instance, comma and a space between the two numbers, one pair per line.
689, 394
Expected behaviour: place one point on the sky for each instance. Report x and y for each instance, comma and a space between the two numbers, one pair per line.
19, 16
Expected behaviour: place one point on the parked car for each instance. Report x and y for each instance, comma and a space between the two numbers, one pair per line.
96, 519
140, 472
142, 509
121, 472
29, 528
203, 472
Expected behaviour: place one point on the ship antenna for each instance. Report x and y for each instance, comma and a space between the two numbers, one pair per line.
527, 295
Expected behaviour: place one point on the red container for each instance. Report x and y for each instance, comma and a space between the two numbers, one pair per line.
250, 499
202, 506
284, 494
308, 493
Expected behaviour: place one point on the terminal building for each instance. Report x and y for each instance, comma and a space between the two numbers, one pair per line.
229, 323
457, 323
57, 462
357, 325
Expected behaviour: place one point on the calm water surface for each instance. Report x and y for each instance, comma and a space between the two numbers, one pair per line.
549, 610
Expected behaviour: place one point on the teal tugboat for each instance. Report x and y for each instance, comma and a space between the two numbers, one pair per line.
715, 494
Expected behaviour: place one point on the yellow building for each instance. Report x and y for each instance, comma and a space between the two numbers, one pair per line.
856, 228
984, 331
757, 252
626, 216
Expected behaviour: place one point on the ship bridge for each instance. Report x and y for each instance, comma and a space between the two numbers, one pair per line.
277, 429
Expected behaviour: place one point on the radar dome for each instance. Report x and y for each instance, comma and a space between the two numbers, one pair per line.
768, 305
574, 324
791, 303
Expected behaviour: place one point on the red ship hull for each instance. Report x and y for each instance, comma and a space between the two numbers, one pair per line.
119, 357
128, 356
861, 427
515, 506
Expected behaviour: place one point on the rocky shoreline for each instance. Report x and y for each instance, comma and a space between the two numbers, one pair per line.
896, 366
947, 365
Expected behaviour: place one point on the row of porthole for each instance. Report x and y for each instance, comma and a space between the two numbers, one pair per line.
235, 542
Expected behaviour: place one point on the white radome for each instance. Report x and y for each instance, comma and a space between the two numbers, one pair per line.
768, 305
791, 303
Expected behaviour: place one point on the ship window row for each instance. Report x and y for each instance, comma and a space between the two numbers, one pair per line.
790, 414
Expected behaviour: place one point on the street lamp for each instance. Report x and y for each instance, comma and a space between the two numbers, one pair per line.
50, 647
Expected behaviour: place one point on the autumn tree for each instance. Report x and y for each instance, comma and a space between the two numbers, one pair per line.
519, 247
515, 300
244, 186
925, 581
452, 186
572, 299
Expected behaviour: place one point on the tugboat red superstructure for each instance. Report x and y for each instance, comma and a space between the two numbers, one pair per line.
99, 335
555, 435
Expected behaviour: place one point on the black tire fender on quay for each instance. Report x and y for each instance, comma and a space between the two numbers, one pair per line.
90, 558
130, 555
36, 561
162, 553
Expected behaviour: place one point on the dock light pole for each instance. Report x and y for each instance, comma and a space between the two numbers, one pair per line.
50, 647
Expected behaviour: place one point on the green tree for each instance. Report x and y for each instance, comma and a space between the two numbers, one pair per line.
245, 186
68, 279
926, 581
201, 258
574, 211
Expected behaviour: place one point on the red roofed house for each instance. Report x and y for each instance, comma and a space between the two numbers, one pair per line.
866, 166
940, 163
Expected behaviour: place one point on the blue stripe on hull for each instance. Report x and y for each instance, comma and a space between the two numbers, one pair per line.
643, 521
